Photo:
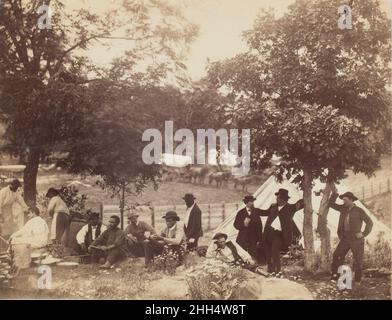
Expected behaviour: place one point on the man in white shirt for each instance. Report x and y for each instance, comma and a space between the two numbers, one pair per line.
59, 212
89, 232
8, 197
280, 229
172, 236
35, 232
227, 251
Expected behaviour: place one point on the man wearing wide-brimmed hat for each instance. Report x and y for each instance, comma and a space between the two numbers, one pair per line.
249, 226
137, 233
172, 236
8, 196
280, 229
350, 233
192, 222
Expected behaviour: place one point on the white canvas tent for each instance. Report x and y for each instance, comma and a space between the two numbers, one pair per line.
265, 196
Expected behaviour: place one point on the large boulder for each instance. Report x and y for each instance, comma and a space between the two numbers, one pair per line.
257, 287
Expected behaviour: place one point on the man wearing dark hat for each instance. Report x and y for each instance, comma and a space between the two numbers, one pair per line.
172, 236
89, 232
192, 222
350, 233
249, 226
280, 229
10, 219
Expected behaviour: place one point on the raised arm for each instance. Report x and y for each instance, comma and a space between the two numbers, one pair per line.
332, 202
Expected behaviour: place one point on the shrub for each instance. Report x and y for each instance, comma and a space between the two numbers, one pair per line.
214, 280
378, 255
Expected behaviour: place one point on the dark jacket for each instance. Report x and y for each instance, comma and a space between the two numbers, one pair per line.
110, 237
194, 229
248, 237
285, 215
88, 239
356, 217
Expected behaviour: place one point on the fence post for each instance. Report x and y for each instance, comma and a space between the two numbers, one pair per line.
209, 217
223, 212
153, 216
388, 185
363, 193
379, 187
371, 189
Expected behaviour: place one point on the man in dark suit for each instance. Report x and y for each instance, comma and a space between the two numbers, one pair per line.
280, 230
249, 225
192, 222
350, 233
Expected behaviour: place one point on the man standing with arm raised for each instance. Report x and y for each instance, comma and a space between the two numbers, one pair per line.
350, 233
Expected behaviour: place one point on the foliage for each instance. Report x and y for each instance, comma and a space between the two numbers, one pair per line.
214, 280
378, 255
315, 95
48, 85
168, 260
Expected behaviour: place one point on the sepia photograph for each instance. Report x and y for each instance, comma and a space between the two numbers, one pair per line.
207, 152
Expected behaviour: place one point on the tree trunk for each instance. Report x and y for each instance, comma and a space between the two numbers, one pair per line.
30, 177
323, 230
308, 222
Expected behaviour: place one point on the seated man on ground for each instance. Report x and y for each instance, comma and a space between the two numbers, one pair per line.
137, 234
35, 232
89, 232
110, 245
228, 251
171, 239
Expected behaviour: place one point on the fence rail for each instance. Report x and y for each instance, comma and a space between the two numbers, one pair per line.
212, 213
215, 213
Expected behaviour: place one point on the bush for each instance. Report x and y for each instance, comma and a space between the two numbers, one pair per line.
214, 280
378, 255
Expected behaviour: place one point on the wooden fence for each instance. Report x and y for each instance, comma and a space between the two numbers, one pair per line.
212, 213
373, 188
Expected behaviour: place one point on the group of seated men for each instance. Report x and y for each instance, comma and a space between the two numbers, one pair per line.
139, 239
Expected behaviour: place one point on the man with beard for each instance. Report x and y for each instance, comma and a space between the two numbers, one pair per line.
109, 245
280, 229
249, 226
350, 233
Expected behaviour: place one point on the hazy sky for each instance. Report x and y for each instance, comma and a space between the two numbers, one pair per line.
221, 23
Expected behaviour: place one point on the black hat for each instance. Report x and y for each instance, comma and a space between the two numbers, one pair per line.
52, 192
93, 215
348, 195
283, 193
248, 198
220, 235
16, 183
172, 215
189, 196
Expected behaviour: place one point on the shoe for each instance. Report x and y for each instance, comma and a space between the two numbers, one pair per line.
279, 275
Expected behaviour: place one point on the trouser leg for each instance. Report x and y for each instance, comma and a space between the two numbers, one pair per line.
277, 244
339, 254
62, 225
268, 253
96, 254
151, 249
358, 249
114, 255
